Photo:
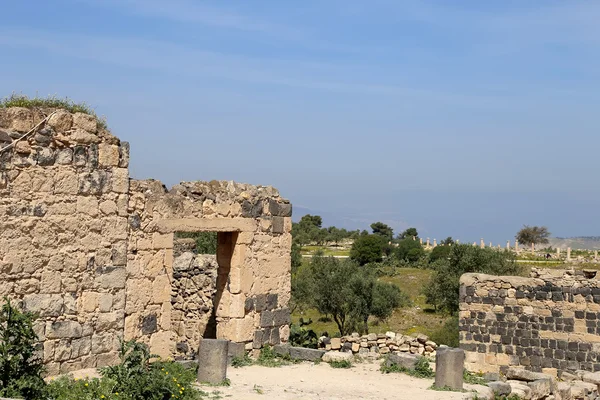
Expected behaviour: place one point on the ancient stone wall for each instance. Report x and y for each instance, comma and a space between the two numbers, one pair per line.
63, 233
91, 250
549, 323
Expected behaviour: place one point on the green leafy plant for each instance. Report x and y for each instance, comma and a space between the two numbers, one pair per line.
302, 337
446, 334
422, 369
20, 367
136, 378
474, 378
268, 358
243, 361
67, 388
341, 364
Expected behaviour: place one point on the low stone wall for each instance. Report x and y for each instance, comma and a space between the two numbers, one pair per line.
550, 322
382, 344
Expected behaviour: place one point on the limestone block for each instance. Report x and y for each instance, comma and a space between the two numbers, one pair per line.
22, 119
86, 122
66, 181
161, 289
336, 356
61, 121
162, 241
113, 278
63, 329
87, 205
407, 361
109, 321
105, 301
108, 155
51, 282
162, 344
108, 207
103, 343
46, 305
106, 359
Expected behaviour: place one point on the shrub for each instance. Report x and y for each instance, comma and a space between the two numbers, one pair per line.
439, 252
442, 289
447, 334
67, 388
422, 369
136, 378
367, 249
409, 250
303, 337
341, 364
20, 367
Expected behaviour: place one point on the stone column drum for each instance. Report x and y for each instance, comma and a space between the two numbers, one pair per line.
449, 367
212, 360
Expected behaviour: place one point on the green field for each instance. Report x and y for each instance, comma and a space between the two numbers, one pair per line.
328, 251
419, 318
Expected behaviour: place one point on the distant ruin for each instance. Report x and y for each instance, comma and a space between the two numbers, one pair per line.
547, 323
92, 251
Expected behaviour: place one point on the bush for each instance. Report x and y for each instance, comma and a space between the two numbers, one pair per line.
20, 367
447, 334
302, 337
409, 250
439, 252
442, 289
367, 249
67, 388
422, 369
341, 364
136, 378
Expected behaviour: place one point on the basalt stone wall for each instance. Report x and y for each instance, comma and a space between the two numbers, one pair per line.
63, 232
548, 323
91, 250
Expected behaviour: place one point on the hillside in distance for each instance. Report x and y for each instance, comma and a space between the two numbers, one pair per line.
577, 243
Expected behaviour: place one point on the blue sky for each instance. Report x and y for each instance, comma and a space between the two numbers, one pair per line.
462, 118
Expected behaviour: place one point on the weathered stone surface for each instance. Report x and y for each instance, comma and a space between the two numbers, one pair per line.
337, 356
521, 374
539, 388
449, 367
301, 353
407, 361
46, 305
63, 329
212, 361
500, 388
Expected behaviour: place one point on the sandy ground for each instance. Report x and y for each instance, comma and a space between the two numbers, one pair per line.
308, 381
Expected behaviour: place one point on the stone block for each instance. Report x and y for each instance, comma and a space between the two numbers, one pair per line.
336, 356
403, 360
235, 350
86, 122
281, 317
63, 329
500, 388
282, 349
212, 361
449, 366
336, 343
46, 305
113, 277
521, 374
539, 388
266, 319
301, 353
278, 225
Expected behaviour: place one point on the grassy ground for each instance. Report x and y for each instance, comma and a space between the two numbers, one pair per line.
329, 251
419, 318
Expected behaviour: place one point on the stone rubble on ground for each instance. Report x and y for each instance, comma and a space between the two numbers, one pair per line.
381, 344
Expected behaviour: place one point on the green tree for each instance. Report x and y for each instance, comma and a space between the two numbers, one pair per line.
311, 220
379, 228
533, 235
442, 289
439, 252
367, 248
409, 250
20, 366
409, 234
349, 293
448, 241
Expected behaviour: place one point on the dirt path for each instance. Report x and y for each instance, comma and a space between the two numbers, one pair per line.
307, 381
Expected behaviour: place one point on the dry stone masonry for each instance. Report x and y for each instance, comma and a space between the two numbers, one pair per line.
547, 323
92, 251
381, 344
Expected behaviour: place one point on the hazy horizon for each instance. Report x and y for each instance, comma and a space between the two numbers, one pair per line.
466, 119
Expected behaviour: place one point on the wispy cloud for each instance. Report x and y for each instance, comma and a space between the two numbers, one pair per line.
176, 59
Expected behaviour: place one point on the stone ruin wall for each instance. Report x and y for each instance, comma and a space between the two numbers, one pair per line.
91, 250
193, 289
548, 323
